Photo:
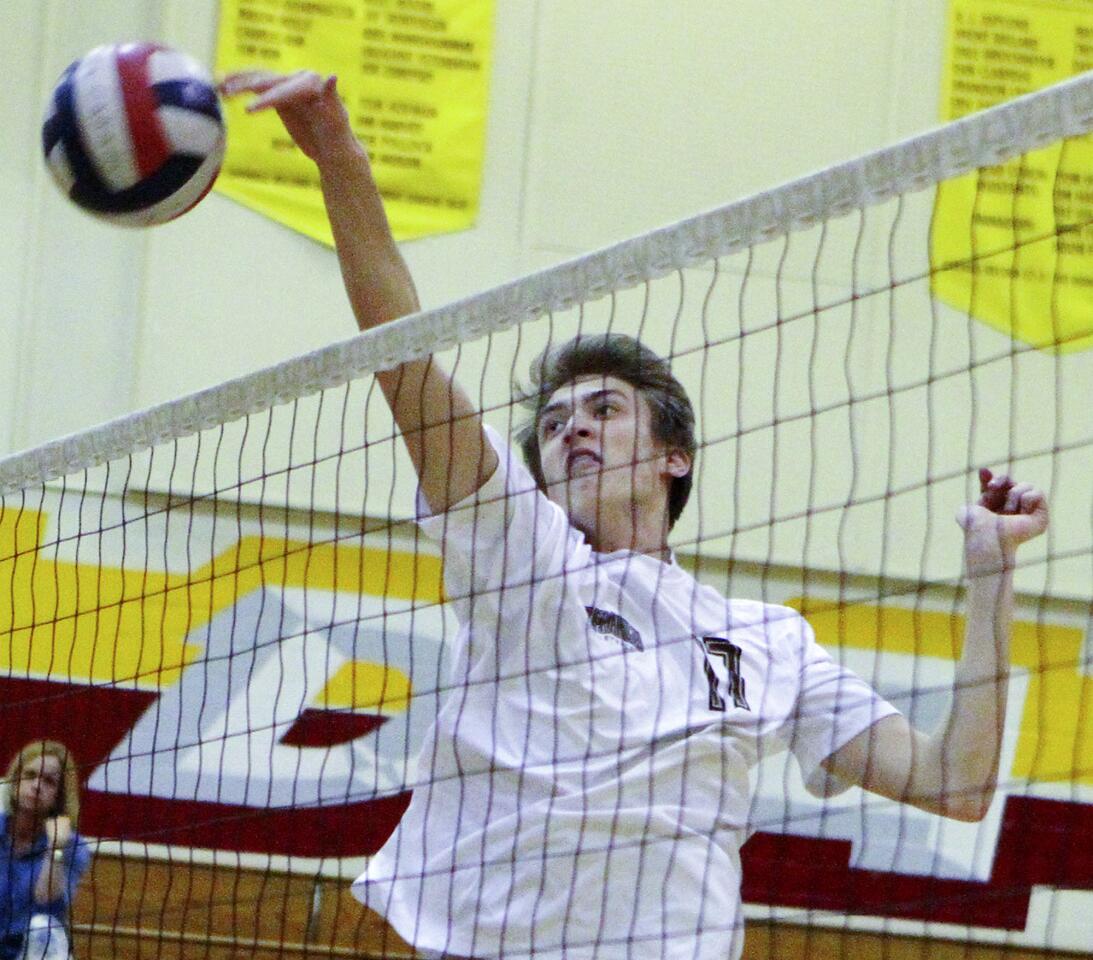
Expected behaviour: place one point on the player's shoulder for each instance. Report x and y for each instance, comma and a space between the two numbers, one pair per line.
778, 624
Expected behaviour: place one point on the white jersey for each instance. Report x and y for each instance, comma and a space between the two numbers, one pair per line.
584, 792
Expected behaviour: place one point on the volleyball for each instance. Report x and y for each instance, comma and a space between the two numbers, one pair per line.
133, 133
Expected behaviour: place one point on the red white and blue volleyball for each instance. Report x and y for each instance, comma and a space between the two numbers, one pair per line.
133, 133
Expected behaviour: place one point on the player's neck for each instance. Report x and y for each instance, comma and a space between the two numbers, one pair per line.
633, 530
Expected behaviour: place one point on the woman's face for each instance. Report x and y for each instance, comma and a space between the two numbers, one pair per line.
39, 786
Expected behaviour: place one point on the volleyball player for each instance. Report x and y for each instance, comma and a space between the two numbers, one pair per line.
584, 790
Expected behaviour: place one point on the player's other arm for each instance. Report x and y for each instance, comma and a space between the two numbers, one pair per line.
954, 771
441, 428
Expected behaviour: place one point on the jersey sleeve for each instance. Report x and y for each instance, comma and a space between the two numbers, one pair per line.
833, 706
507, 533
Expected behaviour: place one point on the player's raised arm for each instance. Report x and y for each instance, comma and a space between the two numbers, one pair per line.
954, 771
441, 428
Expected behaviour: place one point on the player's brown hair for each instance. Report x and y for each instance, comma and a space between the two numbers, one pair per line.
614, 355
68, 797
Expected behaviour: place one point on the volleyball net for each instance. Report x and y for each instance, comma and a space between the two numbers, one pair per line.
223, 606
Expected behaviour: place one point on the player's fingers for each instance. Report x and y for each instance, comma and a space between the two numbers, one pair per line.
248, 81
1033, 501
994, 492
1026, 526
995, 501
1013, 497
296, 88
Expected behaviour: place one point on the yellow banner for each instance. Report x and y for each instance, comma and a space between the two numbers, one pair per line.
1011, 245
414, 76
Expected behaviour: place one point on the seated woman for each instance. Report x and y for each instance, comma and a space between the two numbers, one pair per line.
41, 856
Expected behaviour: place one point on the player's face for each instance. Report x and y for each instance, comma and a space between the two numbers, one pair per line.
598, 455
39, 785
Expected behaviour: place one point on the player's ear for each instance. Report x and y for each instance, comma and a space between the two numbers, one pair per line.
679, 463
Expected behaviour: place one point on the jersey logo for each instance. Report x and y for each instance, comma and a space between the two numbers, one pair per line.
614, 625
729, 653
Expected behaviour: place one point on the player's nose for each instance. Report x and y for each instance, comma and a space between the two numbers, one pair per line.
578, 427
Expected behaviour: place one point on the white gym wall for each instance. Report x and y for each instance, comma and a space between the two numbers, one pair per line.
604, 120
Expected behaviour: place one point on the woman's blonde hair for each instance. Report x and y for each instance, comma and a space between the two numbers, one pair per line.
68, 797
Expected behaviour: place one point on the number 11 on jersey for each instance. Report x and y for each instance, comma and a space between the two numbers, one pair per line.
730, 654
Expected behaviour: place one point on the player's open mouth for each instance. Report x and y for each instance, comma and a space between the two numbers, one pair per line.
581, 461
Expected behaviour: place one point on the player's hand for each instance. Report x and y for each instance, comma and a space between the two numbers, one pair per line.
1006, 515
58, 832
307, 103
